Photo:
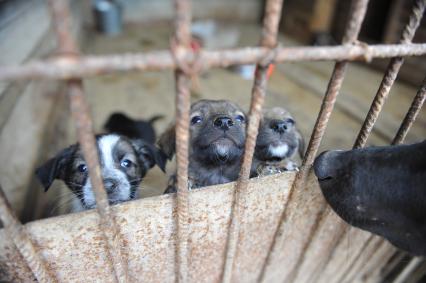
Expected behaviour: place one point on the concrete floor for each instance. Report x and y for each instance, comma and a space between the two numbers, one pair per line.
297, 87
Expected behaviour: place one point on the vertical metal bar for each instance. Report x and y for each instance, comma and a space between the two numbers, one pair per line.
61, 22
359, 9
390, 75
384, 89
182, 39
16, 232
269, 40
387, 82
411, 115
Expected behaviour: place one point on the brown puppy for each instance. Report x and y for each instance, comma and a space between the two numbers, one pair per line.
216, 145
278, 143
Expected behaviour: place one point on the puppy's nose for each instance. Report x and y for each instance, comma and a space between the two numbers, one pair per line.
281, 126
110, 185
223, 123
325, 165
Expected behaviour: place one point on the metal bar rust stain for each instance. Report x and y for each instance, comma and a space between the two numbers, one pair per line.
390, 75
64, 67
181, 45
411, 115
268, 40
352, 30
61, 21
17, 233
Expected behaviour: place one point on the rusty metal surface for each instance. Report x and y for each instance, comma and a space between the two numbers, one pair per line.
411, 115
269, 40
291, 253
61, 21
66, 67
182, 38
390, 75
75, 252
29, 259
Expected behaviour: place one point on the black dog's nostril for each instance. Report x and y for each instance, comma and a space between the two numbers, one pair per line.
110, 185
223, 123
279, 126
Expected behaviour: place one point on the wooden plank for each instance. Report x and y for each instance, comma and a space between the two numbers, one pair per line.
358, 90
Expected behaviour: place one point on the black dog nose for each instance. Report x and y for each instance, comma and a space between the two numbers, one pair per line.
223, 123
110, 185
325, 165
281, 126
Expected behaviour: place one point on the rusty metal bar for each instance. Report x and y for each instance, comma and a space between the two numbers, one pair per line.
390, 75
411, 115
17, 233
383, 91
352, 30
182, 38
61, 21
66, 67
387, 82
268, 40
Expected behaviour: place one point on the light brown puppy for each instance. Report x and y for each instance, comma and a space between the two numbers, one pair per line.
216, 145
278, 143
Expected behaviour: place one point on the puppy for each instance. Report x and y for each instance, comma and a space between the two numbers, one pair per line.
278, 143
121, 124
123, 162
216, 145
379, 189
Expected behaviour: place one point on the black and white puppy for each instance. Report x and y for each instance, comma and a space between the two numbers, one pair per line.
379, 189
216, 145
123, 162
278, 143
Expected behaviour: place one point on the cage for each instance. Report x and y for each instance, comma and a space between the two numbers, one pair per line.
270, 229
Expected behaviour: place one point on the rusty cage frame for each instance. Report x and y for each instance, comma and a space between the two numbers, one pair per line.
71, 67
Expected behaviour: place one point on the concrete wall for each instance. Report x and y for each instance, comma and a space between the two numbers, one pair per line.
28, 109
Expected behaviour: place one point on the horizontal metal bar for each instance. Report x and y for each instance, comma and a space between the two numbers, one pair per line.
67, 67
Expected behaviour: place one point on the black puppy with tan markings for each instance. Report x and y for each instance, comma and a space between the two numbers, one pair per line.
278, 143
124, 163
216, 145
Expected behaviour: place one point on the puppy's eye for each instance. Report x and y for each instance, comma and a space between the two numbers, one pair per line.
240, 118
290, 121
196, 120
126, 163
82, 168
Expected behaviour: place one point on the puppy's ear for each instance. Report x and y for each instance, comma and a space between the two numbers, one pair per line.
149, 154
167, 142
301, 144
54, 168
